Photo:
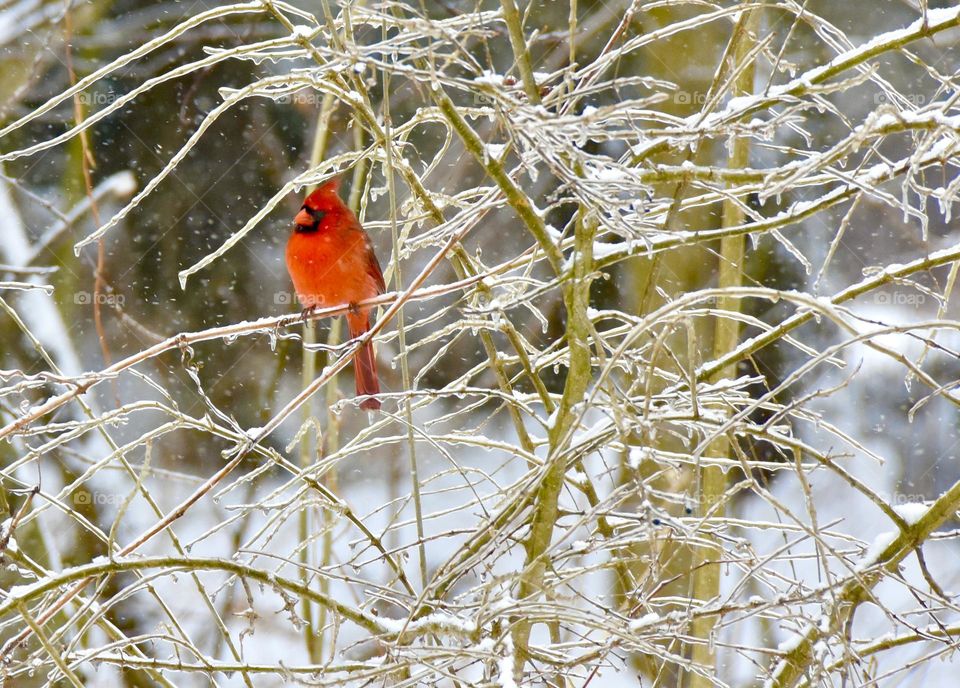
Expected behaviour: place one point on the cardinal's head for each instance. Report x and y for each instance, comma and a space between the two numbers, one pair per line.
317, 205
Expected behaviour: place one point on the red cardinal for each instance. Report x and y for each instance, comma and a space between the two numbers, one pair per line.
332, 263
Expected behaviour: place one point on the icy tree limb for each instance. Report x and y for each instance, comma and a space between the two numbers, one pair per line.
712, 480
520, 52
576, 296
844, 603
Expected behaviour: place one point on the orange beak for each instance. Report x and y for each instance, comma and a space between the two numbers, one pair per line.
303, 219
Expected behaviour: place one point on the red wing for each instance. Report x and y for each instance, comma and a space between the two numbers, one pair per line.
373, 267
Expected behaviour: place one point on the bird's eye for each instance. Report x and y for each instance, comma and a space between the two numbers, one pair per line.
317, 215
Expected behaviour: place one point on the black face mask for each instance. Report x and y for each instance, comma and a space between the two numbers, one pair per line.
317, 216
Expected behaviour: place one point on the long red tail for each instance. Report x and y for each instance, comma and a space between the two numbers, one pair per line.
364, 362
